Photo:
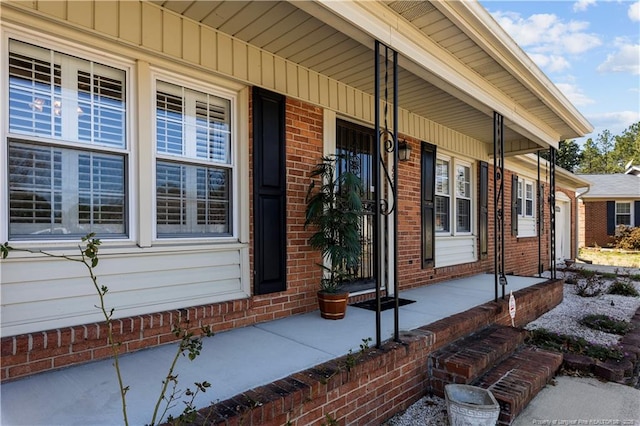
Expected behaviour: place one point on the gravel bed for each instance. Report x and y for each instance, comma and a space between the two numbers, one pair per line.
564, 318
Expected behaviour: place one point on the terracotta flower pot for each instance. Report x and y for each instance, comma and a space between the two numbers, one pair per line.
333, 305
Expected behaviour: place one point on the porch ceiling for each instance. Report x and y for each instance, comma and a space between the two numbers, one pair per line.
301, 32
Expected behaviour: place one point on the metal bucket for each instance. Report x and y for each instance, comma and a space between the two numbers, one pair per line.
471, 406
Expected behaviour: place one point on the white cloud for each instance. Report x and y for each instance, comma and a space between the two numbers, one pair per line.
574, 94
547, 39
626, 59
616, 121
634, 11
551, 63
582, 5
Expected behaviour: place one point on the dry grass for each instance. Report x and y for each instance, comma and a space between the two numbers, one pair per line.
600, 256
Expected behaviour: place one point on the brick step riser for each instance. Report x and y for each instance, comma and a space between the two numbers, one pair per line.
517, 380
466, 359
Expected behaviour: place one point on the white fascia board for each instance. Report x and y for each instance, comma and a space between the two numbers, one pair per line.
367, 21
483, 29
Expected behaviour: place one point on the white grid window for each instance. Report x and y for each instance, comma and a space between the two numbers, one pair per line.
442, 198
194, 164
67, 147
623, 213
463, 198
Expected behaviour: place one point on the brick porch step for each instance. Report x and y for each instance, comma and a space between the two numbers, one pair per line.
515, 381
466, 359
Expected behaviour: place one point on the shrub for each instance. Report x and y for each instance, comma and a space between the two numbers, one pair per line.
623, 288
606, 323
627, 238
564, 343
589, 287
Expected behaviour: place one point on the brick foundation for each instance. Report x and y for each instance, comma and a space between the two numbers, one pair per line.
372, 387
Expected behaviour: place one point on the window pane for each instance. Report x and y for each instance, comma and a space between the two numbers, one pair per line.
212, 130
463, 215
34, 89
169, 118
463, 181
623, 208
442, 213
60, 96
192, 200
442, 177
101, 192
192, 124
60, 191
101, 107
519, 202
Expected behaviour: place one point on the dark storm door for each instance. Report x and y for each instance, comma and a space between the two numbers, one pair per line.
355, 140
269, 192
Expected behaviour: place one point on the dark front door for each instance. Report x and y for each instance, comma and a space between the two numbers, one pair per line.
356, 140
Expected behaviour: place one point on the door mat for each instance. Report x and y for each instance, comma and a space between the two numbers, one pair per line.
385, 303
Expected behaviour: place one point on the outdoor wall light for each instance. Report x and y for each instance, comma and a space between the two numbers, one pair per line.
404, 151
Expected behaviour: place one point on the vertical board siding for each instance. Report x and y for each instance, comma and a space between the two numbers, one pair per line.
129, 22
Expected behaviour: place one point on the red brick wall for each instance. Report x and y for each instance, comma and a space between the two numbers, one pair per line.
30, 353
595, 224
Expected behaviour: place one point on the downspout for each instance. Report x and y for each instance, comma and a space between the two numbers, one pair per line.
577, 238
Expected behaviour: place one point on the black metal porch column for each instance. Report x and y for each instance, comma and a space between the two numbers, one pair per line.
552, 208
387, 136
377, 270
539, 218
498, 204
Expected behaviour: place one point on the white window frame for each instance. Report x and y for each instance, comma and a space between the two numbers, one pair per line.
219, 90
526, 221
470, 198
445, 195
630, 213
68, 141
452, 196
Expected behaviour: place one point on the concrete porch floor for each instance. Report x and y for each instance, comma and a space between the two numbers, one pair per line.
232, 361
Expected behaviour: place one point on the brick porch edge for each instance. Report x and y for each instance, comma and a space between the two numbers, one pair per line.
372, 386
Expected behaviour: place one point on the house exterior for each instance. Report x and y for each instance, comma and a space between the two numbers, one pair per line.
184, 133
610, 201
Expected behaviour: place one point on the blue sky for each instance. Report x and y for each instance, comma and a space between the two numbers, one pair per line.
589, 49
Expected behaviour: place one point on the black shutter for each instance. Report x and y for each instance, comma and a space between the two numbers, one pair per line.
611, 217
636, 213
514, 205
269, 192
483, 219
428, 182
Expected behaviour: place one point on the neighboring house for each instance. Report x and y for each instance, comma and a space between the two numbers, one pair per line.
184, 133
611, 200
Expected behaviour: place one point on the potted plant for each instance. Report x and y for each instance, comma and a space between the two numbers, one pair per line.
334, 209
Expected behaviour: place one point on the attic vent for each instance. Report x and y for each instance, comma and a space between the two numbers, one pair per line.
411, 10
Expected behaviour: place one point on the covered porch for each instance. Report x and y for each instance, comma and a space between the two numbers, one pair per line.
243, 360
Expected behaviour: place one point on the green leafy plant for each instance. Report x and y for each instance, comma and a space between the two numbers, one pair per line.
334, 209
190, 345
331, 421
606, 323
564, 343
623, 287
